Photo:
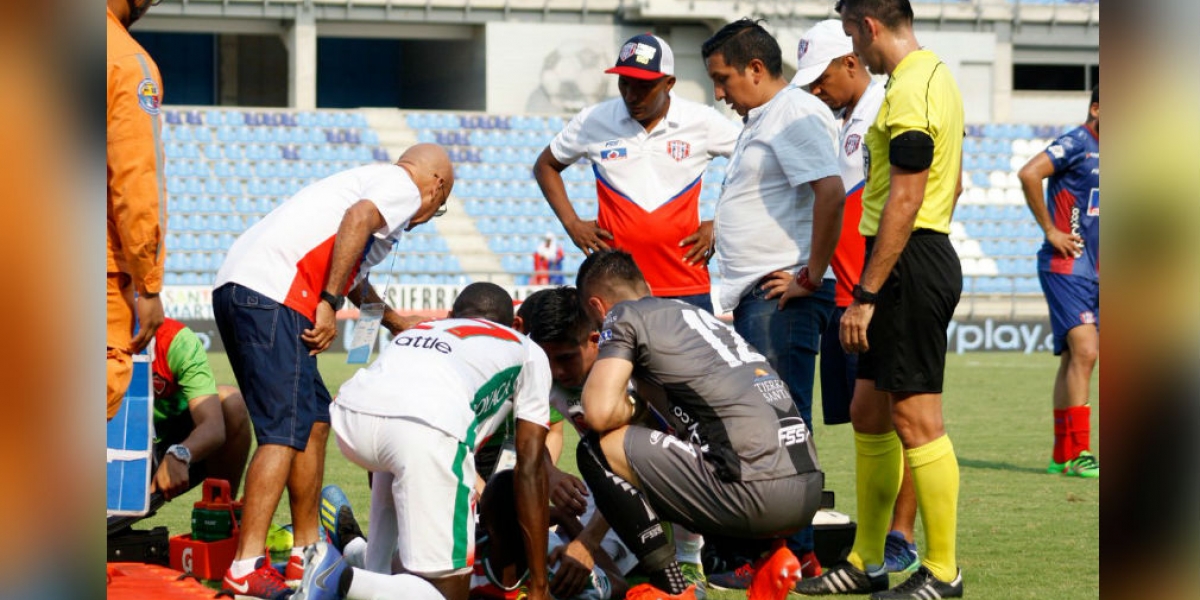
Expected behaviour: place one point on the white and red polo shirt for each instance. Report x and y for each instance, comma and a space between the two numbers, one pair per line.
286, 255
648, 182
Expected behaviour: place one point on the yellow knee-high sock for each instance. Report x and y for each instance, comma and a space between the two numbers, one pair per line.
935, 481
878, 469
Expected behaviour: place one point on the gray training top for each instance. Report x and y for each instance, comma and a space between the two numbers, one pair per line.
711, 388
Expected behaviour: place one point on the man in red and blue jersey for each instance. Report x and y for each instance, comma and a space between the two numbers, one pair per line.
1069, 269
648, 149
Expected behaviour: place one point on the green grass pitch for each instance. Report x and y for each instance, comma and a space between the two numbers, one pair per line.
1021, 532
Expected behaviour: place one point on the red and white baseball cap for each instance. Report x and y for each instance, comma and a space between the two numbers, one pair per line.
645, 56
820, 45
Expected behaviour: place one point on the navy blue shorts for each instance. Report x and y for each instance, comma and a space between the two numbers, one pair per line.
283, 389
1073, 301
838, 372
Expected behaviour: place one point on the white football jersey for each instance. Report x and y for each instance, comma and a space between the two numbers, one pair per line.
460, 376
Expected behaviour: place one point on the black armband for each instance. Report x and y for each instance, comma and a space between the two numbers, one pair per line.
912, 150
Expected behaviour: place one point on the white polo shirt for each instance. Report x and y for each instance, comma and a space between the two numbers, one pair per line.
765, 212
853, 135
460, 376
286, 255
648, 182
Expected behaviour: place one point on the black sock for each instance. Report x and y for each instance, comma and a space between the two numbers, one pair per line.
344, 581
638, 525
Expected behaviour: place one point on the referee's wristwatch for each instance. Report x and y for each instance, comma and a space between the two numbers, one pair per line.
863, 296
335, 301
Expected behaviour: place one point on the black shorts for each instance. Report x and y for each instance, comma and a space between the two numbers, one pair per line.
684, 488
907, 334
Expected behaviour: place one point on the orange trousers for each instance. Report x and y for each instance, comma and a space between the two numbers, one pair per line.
118, 338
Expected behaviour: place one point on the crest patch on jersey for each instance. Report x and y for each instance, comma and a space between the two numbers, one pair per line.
613, 154
679, 149
852, 143
148, 96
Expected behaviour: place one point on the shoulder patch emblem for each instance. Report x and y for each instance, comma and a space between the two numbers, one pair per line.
149, 96
852, 142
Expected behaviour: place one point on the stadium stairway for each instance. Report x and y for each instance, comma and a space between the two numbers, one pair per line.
457, 227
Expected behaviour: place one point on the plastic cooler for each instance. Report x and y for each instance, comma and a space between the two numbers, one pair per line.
208, 551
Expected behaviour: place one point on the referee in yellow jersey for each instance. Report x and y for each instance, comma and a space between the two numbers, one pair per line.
902, 306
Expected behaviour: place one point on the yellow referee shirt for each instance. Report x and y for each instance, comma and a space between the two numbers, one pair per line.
921, 95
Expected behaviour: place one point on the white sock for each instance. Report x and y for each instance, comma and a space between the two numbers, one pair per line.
242, 568
355, 553
687, 545
366, 585
298, 551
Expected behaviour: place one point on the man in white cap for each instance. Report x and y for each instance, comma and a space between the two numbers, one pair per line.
648, 150
828, 68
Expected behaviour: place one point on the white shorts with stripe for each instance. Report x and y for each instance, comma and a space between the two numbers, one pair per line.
422, 495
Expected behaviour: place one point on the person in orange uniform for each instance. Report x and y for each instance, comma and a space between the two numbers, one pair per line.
137, 207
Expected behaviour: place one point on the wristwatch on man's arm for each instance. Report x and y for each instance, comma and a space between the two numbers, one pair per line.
863, 296
334, 301
182, 453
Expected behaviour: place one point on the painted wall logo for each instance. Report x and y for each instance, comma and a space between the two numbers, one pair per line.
1027, 337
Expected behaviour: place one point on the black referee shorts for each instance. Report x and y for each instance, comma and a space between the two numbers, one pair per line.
907, 335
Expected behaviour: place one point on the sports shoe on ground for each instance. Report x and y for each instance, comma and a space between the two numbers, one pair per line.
322, 573
293, 571
737, 579
1085, 465
775, 576
923, 586
809, 565
280, 539
332, 501
900, 555
646, 591
1056, 468
843, 578
347, 528
693, 574
263, 582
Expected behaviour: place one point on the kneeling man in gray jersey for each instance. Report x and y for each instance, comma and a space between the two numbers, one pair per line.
736, 462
